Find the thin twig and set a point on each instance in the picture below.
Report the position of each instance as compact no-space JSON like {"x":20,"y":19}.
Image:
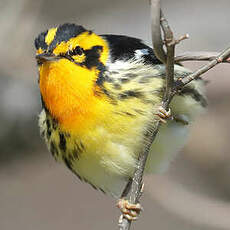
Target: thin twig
{"x":219,"y":59}
{"x":183,"y":37}
{"x":199,"y":56}
{"x":156,"y":31}
{"x":170,"y":43}
{"x":152,"y":131}
{"x":171,"y":89}
{"x":137,"y":182}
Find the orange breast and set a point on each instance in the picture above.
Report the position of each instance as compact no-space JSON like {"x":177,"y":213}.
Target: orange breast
{"x":68,"y":91}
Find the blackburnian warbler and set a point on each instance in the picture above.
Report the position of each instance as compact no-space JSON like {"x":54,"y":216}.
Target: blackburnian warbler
{"x":99,"y":95}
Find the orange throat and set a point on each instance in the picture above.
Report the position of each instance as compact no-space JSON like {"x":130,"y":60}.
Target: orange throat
{"x":69,"y":93}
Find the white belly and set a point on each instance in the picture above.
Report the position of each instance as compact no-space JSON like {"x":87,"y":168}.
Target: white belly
{"x":170,"y":139}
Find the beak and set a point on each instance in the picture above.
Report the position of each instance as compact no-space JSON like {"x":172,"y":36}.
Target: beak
{"x":44,"y":57}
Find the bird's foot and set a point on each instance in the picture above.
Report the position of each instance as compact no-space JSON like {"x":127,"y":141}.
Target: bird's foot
{"x":164,"y":115}
{"x":129,"y":211}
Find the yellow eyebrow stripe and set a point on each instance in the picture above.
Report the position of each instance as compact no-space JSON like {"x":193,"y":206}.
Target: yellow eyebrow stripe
{"x":50,"y":35}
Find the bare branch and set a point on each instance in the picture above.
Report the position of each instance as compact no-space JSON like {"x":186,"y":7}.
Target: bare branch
{"x":151,"y":133}
{"x":172,"y":88}
{"x":152,"y":130}
{"x":219,"y":59}
{"x":170,"y":43}
{"x":183,"y":37}
{"x":156,"y":31}
{"x":199,"y":56}
{"x":138,"y":175}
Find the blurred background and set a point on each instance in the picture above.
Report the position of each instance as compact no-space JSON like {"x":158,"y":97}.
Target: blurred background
{"x":37,"y":193}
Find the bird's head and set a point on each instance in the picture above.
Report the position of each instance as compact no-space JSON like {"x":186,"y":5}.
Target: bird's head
{"x":73,"y":43}
{"x":71,"y":61}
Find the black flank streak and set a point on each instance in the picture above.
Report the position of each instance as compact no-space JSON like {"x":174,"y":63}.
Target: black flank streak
{"x":122,"y":113}
{"x":194,"y":94}
{"x":55,"y":124}
{"x":79,"y":148}
{"x":144,"y":80}
{"x":131,"y":75}
{"x":141,"y":112}
{"x":124,"y":80}
{"x":48,"y":132}
{"x":48,"y":124}
{"x":80,"y":178}
{"x":129,"y":114}
{"x":68,"y":160}
{"x":62,"y":143}
{"x":108,"y":79}
{"x":114,"y":72}
{"x":101,"y":77}
{"x":107,"y":93}
{"x":43,"y":134}
{"x":117,"y":86}
{"x":53,"y":149}
{"x":129,"y":94}
{"x":75,"y":154}
{"x":43,"y":105}
{"x":68,"y":163}
{"x":82,"y":146}
{"x":93,"y":186}
{"x":102,"y":190}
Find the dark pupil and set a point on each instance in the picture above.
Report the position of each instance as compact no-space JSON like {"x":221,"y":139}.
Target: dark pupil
{"x":77,"y":51}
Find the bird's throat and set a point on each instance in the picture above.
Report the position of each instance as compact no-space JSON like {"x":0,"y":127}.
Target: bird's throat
{"x":68,"y":92}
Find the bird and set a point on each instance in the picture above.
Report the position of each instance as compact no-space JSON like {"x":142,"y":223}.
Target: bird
{"x":99,"y":95}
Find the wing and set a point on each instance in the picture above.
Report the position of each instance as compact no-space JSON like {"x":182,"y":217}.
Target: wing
{"x":135,"y":72}
{"x":124,"y":48}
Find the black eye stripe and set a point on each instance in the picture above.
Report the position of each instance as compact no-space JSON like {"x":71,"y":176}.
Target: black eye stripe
{"x":77,"y":51}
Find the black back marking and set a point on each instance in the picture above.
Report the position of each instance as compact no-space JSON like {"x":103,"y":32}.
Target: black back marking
{"x":124,"y":47}
{"x":62,"y":143}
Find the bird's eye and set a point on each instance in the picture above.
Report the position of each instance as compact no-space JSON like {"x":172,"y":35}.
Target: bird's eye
{"x":77,"y":51}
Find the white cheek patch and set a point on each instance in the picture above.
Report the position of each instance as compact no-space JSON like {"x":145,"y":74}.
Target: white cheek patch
{"x":140,"y":53}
